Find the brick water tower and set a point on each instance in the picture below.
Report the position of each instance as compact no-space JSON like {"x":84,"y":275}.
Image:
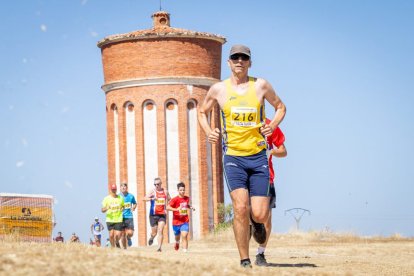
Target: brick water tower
{"x":154,"y":81}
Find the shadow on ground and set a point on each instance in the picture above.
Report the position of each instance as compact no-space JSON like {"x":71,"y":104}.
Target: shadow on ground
{"x":292,"y":265}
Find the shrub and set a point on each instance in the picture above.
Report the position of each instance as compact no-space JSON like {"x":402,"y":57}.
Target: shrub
{"x":225,"y":214}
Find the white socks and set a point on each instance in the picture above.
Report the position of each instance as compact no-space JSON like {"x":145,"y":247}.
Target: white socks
{"x":261,"y":250}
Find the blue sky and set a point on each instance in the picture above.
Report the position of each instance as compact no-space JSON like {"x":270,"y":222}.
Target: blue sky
{"x":343,"y":68}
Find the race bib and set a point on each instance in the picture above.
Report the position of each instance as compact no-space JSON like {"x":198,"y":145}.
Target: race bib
{"x":183,"y":210}
{"x":160,"y":201}
{"x":127,"y":205}
{"x":243,"y":116}
{"x":114,"y":207}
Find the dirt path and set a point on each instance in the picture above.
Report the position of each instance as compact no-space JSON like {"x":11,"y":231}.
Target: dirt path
{"x":293,"y":254}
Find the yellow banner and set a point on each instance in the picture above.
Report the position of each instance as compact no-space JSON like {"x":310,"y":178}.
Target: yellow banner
{"x":26,"y":213}
{"x":26,"y":228}
{"x":26,"y":217}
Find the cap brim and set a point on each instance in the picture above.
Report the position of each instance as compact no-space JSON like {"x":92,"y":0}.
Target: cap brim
{"x":235,"y":53}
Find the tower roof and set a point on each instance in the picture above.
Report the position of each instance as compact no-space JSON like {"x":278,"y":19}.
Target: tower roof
{"x":161,"y":29}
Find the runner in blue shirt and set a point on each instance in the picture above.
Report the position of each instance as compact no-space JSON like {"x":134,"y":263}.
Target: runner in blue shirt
{"x":96,"y":230}
{"x":128,"y":217}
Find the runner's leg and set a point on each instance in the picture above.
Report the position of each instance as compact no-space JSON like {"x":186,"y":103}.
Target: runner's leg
{"x":184,"y":239}
{"x":260,"y":208}
{"x":160,"y":234}
{"x":117,"y":236}
{"x":268,"y":226}
{"x":112,"y":238}
{"x":130,"y":233}
{"x":240,"y":199}
{"x":123,"y":238}
{"x":154,"y":231}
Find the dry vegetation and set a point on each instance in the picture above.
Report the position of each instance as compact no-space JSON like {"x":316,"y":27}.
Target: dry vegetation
{"x":314,"y":253}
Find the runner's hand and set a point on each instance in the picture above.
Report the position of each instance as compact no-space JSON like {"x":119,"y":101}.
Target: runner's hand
{"x":266,"y":130}
{"x":214,"y":136}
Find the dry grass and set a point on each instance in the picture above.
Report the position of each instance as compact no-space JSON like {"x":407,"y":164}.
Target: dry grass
{"x":296,"y":253}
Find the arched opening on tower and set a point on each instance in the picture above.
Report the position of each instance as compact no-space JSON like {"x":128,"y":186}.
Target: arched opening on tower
{"x":173,"y":152}
{"x":150,"y":149}
{"x":192,"y":132}
{"x":131,"y":158}
{"x":114,"y":110}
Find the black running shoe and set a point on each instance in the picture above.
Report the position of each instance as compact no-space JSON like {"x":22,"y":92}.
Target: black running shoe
{"x":159,"y":249}
{"x":150,"y":241}
{"x":246,"y":264}
{"x":261,"y":260}
{"x":259,"y":232}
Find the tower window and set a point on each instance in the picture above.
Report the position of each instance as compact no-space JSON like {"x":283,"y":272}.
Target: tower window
{"x":149,"y":106}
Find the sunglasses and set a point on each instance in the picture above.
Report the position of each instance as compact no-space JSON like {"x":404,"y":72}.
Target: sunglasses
{"x":157,"y":184}
{"x":238,"y":56}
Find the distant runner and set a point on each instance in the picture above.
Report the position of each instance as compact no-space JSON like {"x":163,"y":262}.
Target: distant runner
{"x":96,"y":230}
{"x":113,"y":205}
{"x":128,"y":217}
{"x":159,"y":198}
{"x":74,"y":238}
{"x":59,"y":237}
{"x":180,"y":205}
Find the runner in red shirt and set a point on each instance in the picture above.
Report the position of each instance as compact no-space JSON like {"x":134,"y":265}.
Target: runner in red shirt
{"x":180,"y":205}
{"x":276,"y":147}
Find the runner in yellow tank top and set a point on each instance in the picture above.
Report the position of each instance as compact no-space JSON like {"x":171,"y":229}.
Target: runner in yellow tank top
{"x":245,"y":162}
{"x":241,"y":118}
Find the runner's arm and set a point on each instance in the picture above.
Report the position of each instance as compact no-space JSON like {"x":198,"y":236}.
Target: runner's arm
{"x":134,"y":204}
{"x":205,"y":109}
{"x":149,"y":196}
{"x":169,"y":208}
{"x":122,"y":204}
{"x":279,"y":151}
{"x":280,"y":109}
{"x":191,"y":206}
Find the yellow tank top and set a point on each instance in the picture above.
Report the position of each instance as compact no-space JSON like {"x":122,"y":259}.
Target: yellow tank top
{"x":241,"y":118}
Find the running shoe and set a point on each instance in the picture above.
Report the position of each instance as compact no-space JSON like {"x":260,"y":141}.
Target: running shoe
{"x":261,"y":260}
{"x":176,"y":246}
{"x":129,"y":242}
{"x":259,"y":231}
{"x":159,"y":249}
{"x":150,"y":241}
{"x":246,"y":264}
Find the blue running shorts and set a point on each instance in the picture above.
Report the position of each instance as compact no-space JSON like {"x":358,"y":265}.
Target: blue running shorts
{"x":247,"y":172}
{"x":180,"y":228}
